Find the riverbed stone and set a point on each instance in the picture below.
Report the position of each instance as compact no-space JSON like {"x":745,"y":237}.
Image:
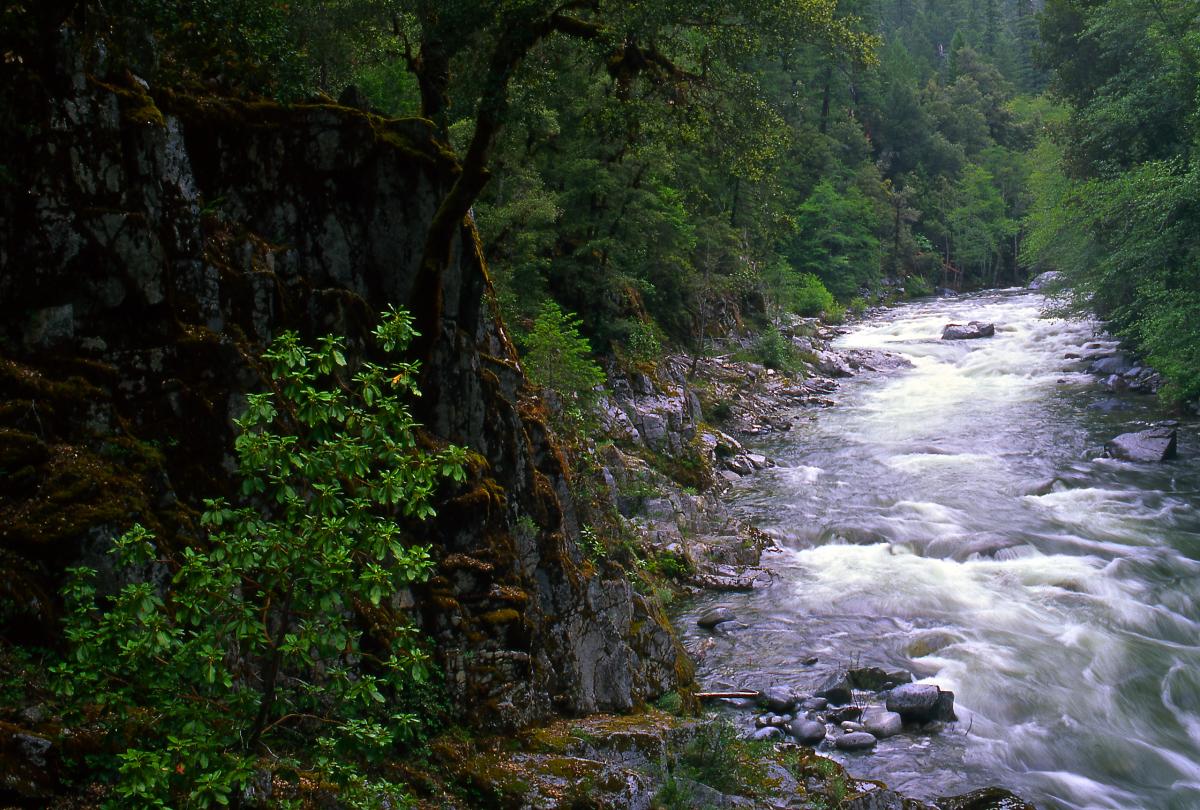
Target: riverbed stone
{"x":855,"y":741}
{"x":943,"y":710}
{"x":989,"y":798}
{"x":970,"y":331}
{"x":837,"y":690}
{"x":914,"y":701}
{"x":814,"y":704}
{"x":1114,"y":364}
{"x":807,"y":731}
{"x":714,"y":616}
{"x":882,"y":723}
{"x":845,"y":713}
{"x":1156,"y":444}
{"x":777,"y":699}
{"x":768,"y":733}
{"x":876,"y":679}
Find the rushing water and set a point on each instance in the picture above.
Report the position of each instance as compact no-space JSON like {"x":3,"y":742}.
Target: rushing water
{"x":921,"y":530}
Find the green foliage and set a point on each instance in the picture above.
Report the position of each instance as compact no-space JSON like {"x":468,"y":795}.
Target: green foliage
{"x":774,"y":350}
{"x":644,"y":344}
{"x":805,"y":295}
{"x":558,"y":358}
{"x":255,"y":646}
{"x":1117,"y":190}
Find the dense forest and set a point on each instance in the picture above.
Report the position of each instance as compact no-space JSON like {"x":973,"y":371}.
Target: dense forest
{"x":636,"y":179}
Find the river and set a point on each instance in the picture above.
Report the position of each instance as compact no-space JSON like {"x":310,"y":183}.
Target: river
{"x":920,"y":529}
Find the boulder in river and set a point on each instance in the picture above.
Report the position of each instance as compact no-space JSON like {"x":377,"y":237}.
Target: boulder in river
{"x":914,"y":701}
{"x":807,"y":731}
{"x":876,"y":679}
{"x":837,"y":690}
{"x":1043,"y":280}
{"x":882,"y":723}
{"x":768,"y":733}
{"x":990,"y":798}
{"x":855,"y":741}
{"x":970,"y":331}
{"x":714,"y":616}
{"x":777,"y":699}
{"x":1156,"y":444}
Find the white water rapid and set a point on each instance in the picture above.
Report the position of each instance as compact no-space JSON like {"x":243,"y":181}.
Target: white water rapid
{"x":954,"y":519}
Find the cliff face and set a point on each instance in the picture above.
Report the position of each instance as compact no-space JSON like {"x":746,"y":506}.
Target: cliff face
{"x":151,"y":243}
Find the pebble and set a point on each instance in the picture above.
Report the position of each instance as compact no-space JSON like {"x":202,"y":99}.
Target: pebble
{"x":855,"y":741}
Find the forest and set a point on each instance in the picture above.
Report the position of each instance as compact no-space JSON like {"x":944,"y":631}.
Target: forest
{"x":639,"y":180}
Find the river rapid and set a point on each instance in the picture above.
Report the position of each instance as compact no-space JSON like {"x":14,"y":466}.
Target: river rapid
{"x":954,"y":519}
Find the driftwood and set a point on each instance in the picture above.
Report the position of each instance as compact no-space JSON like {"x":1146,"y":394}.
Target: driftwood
{"x":736,"y":693}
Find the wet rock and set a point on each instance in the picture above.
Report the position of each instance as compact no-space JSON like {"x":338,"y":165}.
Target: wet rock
{"x":876,"y":679}
{"x":1043,"y":280}
{"x":1109,"y":405}
{"x":990,"y":798}
{"x":768,"y":733}
{"x":814,"y":704}
{"x":807,"y":731}
{"x":1156,"y":444}
{"x":808,"y":662}
{"x":837,"y":690}
{"x":850,"y":725}
{"x":914,"y":701}
{"x":845,"y":713}
{"x":943,"y":710}
{"x":971,"y":331}
{"x":777,"y":699}
{"x":882,"y":723}
{"x":1116,"y":364}
{"x":714,"y":616}
{"x":855,"y":741}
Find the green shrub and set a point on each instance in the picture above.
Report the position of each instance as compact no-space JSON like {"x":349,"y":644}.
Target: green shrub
{"x":917,"y":287}
{"x":773,"y":350}
{"x":644,"y":344}
{"x":808,"y":297}
{"x":558,"y":359}
{"x":255,"y":648}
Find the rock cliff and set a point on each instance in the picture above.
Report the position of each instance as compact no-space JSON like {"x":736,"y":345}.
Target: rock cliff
{"x":152,"y":242}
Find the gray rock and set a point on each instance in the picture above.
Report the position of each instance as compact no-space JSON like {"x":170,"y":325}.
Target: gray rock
{"x":837,"y":691}
{"x":970,"y":331}
{"x":850,"y":725}
{"x":882,"y":723}
{"x":876,"y":679}
{"x":768,"y":733}
{"x":944,"y":708}
{"x":807,"y":731}
{"x":990,"y":798}
{"x":845,"y":713}
{"x":777,"y":699}
{"x":714,"y":616}
{"x":1043,"y":280}
{"x":758,"y":460}
{"x":1116,"y":364}
{"x":855,"y":741}
{"x":814,"y":704}
{"x":914,"y":701}
{"x":1156,"y":444}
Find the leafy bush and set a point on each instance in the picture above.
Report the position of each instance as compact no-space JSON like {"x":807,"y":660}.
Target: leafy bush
{"x":917,"y":287}
{"x":644,"y":345}
{"x":808,"y":296}
{"x":773,"y":350}
{"x":558,"y":359}
{"x":256,"y":646}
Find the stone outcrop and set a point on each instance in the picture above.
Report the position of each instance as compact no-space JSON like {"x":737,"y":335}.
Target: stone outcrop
{"x":151,"y":244}
{"x":1155,"y":444}
{"x":970,"y":331}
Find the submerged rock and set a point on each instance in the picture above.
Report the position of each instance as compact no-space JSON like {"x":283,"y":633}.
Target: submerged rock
{"x":1156,"y":444}
{"x":990,"y":798}
{"x":970,"y":331}
{"x":714,"y":616}
{"x":876,"y":679}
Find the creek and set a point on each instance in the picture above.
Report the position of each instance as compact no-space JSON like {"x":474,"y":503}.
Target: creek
{"x":955,"y":519}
